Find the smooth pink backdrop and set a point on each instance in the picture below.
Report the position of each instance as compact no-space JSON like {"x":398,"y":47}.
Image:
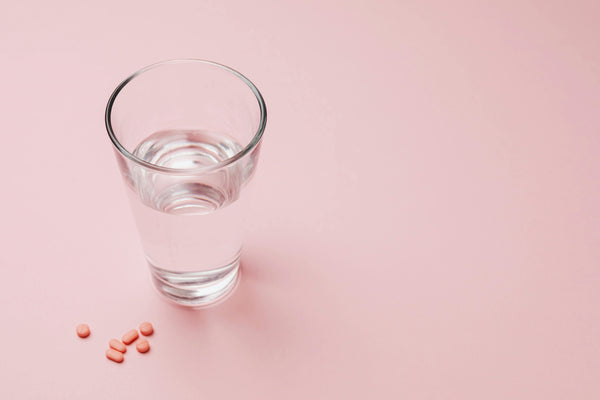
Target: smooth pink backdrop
{"x":428,"y":216}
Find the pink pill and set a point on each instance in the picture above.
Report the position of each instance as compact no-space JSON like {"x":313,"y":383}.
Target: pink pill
{"x":117,"y":345}
{"x":114,"y":355}
{"x":146,"y":328}
{"x":83,"y":330}
{"x":142,"y":345}
{"x":130,"y":336}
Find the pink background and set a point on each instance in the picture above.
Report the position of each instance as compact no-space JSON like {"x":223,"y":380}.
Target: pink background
{"x":427,"y":223}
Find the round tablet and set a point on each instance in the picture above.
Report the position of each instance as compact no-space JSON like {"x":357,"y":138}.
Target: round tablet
{"x":142,"y":345}
{"x":146,"y":328}
{"x":83,"y":330}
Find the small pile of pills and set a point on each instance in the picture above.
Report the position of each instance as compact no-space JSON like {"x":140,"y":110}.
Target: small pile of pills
{"x":118,"y":348}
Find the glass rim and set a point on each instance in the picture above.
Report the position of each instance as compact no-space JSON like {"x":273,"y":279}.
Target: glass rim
{"x":205,"y":168}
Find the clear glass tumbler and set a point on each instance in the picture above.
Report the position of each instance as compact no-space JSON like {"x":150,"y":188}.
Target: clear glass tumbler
{"x":187,"y":136}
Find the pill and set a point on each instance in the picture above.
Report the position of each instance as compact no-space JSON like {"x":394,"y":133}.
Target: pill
{"x":146,"y":328}
{"x":130,"y":336}
{"x":83,"y":330}
{"x":142,"y":345}
{"x":114,"y":355}
{"x":117,"y":345}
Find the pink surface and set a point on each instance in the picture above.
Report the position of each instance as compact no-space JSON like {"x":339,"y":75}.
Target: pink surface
{"x":427,"y":223}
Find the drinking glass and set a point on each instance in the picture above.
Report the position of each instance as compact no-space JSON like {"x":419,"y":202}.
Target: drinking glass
{"x":187,"y":136}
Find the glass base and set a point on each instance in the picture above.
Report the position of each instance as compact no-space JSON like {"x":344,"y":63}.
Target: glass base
{"x":197,"y":289}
